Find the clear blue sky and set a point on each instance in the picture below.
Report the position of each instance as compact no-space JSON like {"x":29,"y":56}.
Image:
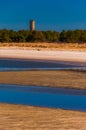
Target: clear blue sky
{"x":48,"y":14}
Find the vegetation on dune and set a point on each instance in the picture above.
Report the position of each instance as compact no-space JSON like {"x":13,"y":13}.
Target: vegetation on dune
{"x":70,"y":36}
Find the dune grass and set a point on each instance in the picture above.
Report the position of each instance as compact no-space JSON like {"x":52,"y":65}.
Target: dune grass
{"x":51,"y":78}
{"x":51,"y":46}
{"x":19,"y":117}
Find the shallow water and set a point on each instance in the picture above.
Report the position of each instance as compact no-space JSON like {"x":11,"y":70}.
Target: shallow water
{"x":44,"y":96}
{"x":20,"y":64}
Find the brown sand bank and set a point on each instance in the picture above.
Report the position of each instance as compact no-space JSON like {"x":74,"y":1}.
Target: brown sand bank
{"x":18,"y":117}
{"x":51,"y":78}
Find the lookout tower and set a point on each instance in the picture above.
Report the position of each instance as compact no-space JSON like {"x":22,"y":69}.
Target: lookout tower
{"x":32,"y":25}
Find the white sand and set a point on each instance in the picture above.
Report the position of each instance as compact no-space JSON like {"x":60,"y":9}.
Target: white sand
{"x":78,"y":56}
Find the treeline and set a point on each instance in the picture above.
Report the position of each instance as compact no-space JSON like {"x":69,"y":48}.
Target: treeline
{"x":70,"y":36}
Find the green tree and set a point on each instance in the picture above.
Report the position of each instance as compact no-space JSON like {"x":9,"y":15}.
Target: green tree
{"x":36,"y":36}
{"x":12,"y":35}
{"x":4,"y":36}
{"x":63,"y":36}
{"x":83,"y":36}
{"x":51,"y":36}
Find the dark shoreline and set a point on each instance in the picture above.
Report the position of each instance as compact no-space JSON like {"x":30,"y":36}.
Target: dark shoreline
{"x":46,"y":89}
{"x":66,"y":62}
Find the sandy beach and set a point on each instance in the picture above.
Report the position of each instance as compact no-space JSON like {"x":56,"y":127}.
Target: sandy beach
{"x":19,"y":117}
{"x":61,"y":55}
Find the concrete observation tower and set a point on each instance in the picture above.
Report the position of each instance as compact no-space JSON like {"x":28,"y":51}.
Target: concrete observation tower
{"x":32,"y":25}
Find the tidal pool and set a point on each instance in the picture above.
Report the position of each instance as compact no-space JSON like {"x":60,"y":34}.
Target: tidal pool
{"x":71,"y":99}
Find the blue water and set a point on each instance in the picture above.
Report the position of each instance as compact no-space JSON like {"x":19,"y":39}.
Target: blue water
{"x":44,"y":96}
{"x":21,"y":64}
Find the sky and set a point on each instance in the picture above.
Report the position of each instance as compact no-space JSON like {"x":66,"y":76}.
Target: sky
{"x":55,"y":15}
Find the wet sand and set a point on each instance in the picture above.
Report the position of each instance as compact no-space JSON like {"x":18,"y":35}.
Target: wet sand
{"x":59,"y":78}
{"x":19,"y":117}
